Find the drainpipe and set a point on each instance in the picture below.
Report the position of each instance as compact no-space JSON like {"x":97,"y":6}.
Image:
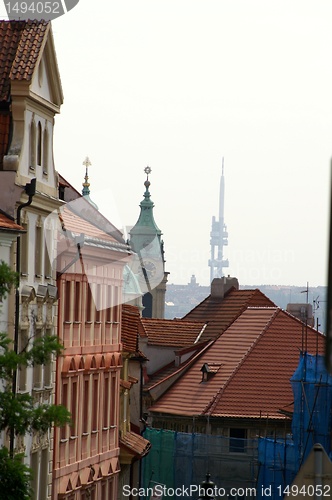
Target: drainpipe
{"x":30,"y":190}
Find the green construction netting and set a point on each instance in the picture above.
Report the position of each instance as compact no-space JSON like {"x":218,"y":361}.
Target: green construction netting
{"x":179,"y":459}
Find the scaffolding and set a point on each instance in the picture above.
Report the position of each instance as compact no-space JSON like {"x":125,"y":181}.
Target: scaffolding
{"x":179,"y":459}
{"x":280,"y":461}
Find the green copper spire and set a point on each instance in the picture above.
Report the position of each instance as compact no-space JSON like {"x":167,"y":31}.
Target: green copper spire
{"x":145,"y":229}
{"x":86,"y":183}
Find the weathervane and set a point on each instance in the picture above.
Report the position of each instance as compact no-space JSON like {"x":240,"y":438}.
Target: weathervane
{"x":87,"y":163}
{"x":148,"y":171}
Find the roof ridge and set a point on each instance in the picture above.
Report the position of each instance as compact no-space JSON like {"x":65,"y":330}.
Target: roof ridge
{"x":196,"y":306}
{"x":215,"y":400}
{"x":263,"y":307}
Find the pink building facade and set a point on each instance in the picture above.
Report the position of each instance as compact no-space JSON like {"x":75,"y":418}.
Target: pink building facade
{"x":86,"y":453}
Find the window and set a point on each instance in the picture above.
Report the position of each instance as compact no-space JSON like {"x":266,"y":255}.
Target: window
{"x":24,"y":248}
{"x":98,"y":304}
{"x":147,"y":304}
{"x":67,"y":299}
{"x":237,"y":440}
{"x":38,"y":249}
{"x":61,"y":192}
{"x":22,"y":374}
{"x":106,"y":402}
{"x":77,"y":301}
{"x":35,"y":476}
{"x":95,"y":400}
{"x":47,"y":254}
{"x":32,"y":152}
{"x":48,"y":366}
{"x":37,"y":369}
{"x":44,"y":479}
{"x":45,"y":152}
{"x":113,"y":400}
{"x":88,"y":304}
{"x":104,"y":489}
{"x":85,"y":413}
{"x":73,"y":409}
{"x":64,"y":402}
{"x":39,"y":144}
{"x":108,"y":303}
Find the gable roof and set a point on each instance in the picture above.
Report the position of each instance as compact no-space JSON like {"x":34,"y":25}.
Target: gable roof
{"x":80,"y":224}
{"x":20,"y":45}
{"x":257,"y":356}
{"x":170,"y":332}
{"x":220,"y":313}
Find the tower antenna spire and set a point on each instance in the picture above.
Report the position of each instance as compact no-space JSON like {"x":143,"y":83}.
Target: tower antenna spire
{"x":219,"y":235}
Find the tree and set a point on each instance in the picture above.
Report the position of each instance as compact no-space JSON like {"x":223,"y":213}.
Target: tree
{"x":19,"y":415}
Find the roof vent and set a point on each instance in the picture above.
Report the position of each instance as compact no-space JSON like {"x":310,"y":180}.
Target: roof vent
{"x":209,"y":370}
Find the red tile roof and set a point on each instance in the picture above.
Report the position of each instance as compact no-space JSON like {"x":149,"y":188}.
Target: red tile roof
{"x":129,"y":328}
{"x":7,"y":224}
{"x":257,"y":355}
{"x":134,"y":443}
{"x":79,"y":225}
{"x":170,"y":332}
{"x":168,"y":371}
{"x":20,"y":44}
{"x":219,"y":314}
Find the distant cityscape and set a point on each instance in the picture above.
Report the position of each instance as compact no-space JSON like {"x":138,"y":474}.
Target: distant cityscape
{"x":180,"y":299}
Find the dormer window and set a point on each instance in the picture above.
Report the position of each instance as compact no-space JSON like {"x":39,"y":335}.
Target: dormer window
{"x":209,"y":370}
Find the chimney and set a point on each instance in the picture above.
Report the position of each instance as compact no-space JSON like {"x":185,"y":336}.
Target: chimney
{"x":220,"y":286}
{"x":302,"y":312}
{"x":229,"y":283}
{"x":217,"y":288}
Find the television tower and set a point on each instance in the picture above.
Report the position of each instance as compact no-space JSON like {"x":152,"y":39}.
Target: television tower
{"x":219,"y":236}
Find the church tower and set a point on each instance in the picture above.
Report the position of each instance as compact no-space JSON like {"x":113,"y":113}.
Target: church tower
{"x":146,"y":242}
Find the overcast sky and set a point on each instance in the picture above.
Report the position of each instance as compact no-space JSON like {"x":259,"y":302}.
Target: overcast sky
{"x":177,"y":85}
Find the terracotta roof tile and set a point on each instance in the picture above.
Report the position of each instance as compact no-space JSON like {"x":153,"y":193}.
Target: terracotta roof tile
{"x":171,"y":332}
{"x":76,"y":223}
{"x":129,"y":328}
{"x":7,"y":224}
{"x":257,"y":354}
{"x":20,"y":44}
{"x":220,"y":313}
{"x":136,"y":444}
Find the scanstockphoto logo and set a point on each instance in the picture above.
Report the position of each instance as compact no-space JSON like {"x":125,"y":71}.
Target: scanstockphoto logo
{"x":80,"y":240}
{"x":38,"y":9}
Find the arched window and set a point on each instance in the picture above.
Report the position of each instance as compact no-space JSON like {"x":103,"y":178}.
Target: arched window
{"x":39,"y":144}
{"x":38,"y":248}
{"x":24,"y":246}
{"x":147,"y":304}
{"x":32,"y":148}
{"x":45,"y":152}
